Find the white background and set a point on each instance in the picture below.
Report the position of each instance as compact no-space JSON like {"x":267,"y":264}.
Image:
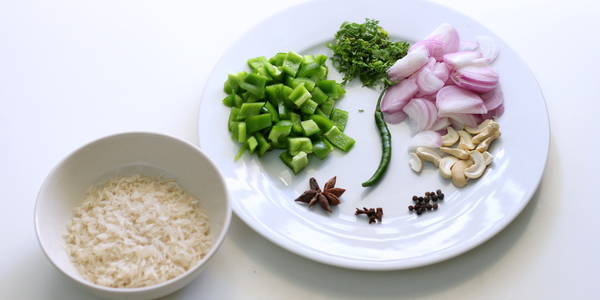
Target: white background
{"x":73,"y":71}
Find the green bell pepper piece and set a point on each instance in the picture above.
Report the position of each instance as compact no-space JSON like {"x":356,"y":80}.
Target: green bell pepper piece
{"x":321,"y":113}
{"x":255,"y":85}
{"x":324,"y":123}
{"x":327,"y":107}
{"x":321,"y":74}
{"x":310,"y":127}
{"x":230,"y":100}
{"x":263,"y":144}
{"x":239,"y":133}
{"x":258,"y":122}
{"x":279,"y":131}
{"x":283,"y":111}
{"x":278,"y":59}
{"x":251,"y":143}
{"x":298,"y":144}
{"x":320,"y":59}
{"x":299,"y":95}
{"x":309,"y":107}
{"x":308,"y":67}
{"x":233,"y":118}
{"x":297,"y":126}
{"x":291,"y":63}
{"x":295,"y":163}
{"x":232,"y":84}
{"x":249,"y":98}
{"x":339,"y":118}
{"x":273,"y":92}
{"x":299,"y":162}
{"x":295,"y":82}
{"x":257,"y":62}
{"x":240,"y":152}
{"x":269,"y":108}
{"x":339,"y":139}
{"x":250,"y":109}
{"x":318,"y":96}
{"x":322,"y":148}
{"x":332,"y":89}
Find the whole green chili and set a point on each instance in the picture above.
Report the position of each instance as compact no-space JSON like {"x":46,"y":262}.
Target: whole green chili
{"x":386,"y":144}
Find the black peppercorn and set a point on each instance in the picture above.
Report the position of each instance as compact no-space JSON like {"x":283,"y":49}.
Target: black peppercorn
{"x":415,"y":198}
{"x":411,"y":208}
{"x":435,"y":206}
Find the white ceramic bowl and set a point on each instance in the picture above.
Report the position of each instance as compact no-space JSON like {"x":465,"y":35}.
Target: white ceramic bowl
{"x":127,"y":154}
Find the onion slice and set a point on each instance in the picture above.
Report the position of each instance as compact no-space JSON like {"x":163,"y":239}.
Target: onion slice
{"x":440,"y":124}
{"x":421,"y":113}
{"x":447,"y":35}
{"x":427,"y":80}
{"x":480,"y":79}
{"x":461,"y":59}
{"x":441,"y":71}
{"x":394,"y":118}
{"x":409,"y":64}
{"x":456,"y":100}
{"x":493,"y":98}
{"x":459,"y":121}
{"x":398,"y":95}
{"x":427,"y":138}
{"x":488,"y":48}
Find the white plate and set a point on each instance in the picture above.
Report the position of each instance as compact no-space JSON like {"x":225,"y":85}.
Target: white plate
{"x":263,"y":190}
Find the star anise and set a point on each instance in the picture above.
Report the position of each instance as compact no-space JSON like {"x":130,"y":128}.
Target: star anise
{"x":373,"y":214}
{"x":329,"y":196}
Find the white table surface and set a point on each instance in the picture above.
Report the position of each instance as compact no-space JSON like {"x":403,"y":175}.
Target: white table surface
{"x":73,"y":71}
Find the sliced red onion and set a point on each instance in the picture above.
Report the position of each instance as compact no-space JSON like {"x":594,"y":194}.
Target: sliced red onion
{"x":494,"y":113}
{"x":488,"y":48}
{"x":427,"y":138}
{"x":459,"y":121}
{"x":480,"y":79}
{"x":456,"y":100}
{"x":448,"y":36}
{"x":427,"y":81}
{"x":468,"y":46}
{"x":440,"y":124}
{"x":421,"y":113}
{"x":493,"y":98}
{"x":434,"y":47}
{"x":398,"y":95}
{"x":461,"y":59}
{"x":409,"y":64}
{"x":441,"y":71}
{"x":394,"y":118}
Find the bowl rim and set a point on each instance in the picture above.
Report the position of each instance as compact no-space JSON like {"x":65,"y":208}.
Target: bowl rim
{"x":217,"y":242}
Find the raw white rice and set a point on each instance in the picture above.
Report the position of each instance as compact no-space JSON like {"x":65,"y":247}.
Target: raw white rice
{"x":137,"y":231}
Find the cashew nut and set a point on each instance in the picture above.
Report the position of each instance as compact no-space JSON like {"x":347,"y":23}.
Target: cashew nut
{"x":486,"y":132}
{"x":483,"y":146}
{"x":479,"y":128}
{"x":476,"y":170}
{"x":429,"y":155}
{"x":415,"y":162}
{"x":450,"y":138}
{"x":466,"y":142}
{"x":458,"y":153}
{"x":488,"y":158}
{"x":458,"y":173}
{"x":446,"y":164}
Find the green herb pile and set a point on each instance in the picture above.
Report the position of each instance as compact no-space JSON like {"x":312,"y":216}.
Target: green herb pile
{"x":365,"y":50}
